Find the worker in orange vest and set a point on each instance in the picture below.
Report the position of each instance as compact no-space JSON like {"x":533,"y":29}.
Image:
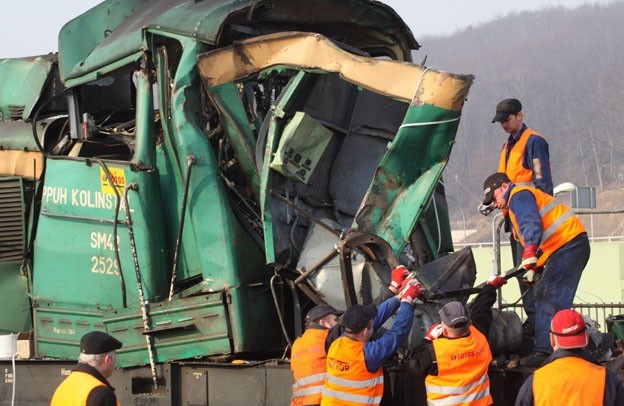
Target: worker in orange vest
{"x":556,"y":248}
{"x":354,"y":373}
{"x":525,"y":159}
{"x":571,"y":375}
{"x":309,"y":352}
{"x":309,"y":356}
{"x":455,"y":355}
{"x":87,"y":384}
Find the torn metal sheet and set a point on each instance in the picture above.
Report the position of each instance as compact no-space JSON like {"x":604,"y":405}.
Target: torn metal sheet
{"x":315,"y":52}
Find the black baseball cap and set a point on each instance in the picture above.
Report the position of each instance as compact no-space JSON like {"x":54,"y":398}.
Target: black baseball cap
{"x":505,"y":108}
{"x":357,"y":317}
{"x":97,"y":342}
{"x":492,"y":183}
{"x":320,"y":311}
{"x":454,"y":315}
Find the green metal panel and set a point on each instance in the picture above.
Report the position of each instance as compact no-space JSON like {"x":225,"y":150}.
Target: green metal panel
{"x":408,"y":174}
{"x":22,"y":82}
{"x":80,"y":36}
{"x":115,"y":29}
{"x":181,"y":328}
{"x":74,"y":249}
{"x":59,"y":326}
{"x":213,"y":243}
{"x":14,"y":300}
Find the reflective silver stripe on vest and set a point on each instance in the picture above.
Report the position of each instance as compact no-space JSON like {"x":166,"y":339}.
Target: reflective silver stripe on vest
{"x":456,"y":390}
{"x":355,"y":384}
{"x":306,"y":380}
{"x":530,"y":184}
{"x":457,"y":400}
{"x":348,"y":397}
{"x":310,"y":390}
{"x":548,"y":208}
{"x":546,"y":234}
{"x":555,"y":225}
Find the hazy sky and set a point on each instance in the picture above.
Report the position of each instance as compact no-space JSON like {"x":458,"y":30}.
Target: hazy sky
{"x":30,"y":27}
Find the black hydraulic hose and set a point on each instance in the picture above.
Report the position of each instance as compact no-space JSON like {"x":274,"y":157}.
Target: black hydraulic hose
{"x":137,"y":271}
{"x":296,"y":308}
{"x":122,"y":281}
{"x":190,"y":161}
{"x":279,"y":313}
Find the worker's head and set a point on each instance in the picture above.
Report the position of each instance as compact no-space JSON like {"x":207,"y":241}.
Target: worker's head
{"x":323,"y":315}
{"x":358,"y":321}
{"x":98,"y":349}
{"x":494,"y":189}
{"x":509,"y":114}
{"x":568,"y":330}
{"x":455,"y":320}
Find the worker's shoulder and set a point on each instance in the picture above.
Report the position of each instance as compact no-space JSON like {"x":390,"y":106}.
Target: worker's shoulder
{"x":536,"y":137}
{"x":102,"y":396}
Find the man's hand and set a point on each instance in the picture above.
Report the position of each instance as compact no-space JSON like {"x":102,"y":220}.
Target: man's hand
{"x":529,"y":257}
{"x":531,"y":277}
{"x":435,"y":331}
{"x":398,"y":276}
{"x":411,"y":291}
{"x":485,"y":210}
{"x":496,"y":280}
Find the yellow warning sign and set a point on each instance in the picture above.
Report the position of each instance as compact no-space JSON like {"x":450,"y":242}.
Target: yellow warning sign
{"x":118,"y":177}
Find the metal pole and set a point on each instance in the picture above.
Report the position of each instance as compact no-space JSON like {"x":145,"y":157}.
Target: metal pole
{"x":142,"y":302}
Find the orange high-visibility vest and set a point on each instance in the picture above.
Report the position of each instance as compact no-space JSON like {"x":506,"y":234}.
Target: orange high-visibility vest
{"x":462,"y":371}
{"x":75,"y":389}
{"x":308,"y":363}
{"x":559,"y":224}
{"x":512,"y":165}
{"x":348,"y":381}
{"x":569,"y":381}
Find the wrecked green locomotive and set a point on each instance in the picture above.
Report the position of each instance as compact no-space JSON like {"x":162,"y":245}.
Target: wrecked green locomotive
{"x":192,"y":176}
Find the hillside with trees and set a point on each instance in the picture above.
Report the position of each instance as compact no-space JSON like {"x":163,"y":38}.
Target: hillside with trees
{"x":565,"y":65}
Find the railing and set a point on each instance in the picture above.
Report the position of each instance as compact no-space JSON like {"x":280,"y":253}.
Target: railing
{"x":597,"y":312}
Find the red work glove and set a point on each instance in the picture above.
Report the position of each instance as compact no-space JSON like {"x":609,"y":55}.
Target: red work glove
{"x":496,"y":280}
{"x":529,"y":263}
{"x":398,"y":276}
{"x":435,"y":331}
{"x":529,"y":257}
{"x":411,"y":291}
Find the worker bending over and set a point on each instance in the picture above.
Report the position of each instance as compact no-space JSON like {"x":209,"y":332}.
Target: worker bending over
{"x":556,"y":248}
{"x":455,"y":355}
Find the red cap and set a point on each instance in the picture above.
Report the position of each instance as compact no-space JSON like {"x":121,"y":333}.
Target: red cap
{"x":568,"y":328}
